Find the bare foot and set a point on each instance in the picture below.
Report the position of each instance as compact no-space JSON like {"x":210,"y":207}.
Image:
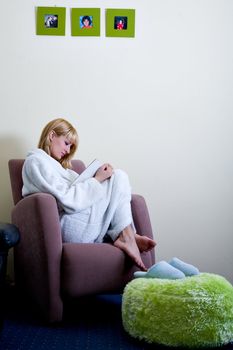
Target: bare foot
{"x":126,"y":242}
{"x":144,"y":243}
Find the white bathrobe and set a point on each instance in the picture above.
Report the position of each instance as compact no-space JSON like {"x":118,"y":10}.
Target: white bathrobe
{"x":88,"y":210}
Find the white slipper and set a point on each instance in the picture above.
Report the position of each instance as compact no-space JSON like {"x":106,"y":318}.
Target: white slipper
{"x":161,"y":270}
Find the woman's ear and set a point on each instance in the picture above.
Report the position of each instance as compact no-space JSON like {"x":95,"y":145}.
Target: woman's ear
{"x":52,"y":134}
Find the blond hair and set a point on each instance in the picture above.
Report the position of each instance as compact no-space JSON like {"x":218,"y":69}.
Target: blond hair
{"x":62,"y":128}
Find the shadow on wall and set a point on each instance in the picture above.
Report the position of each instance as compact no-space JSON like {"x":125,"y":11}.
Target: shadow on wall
{"x":10,"y":148}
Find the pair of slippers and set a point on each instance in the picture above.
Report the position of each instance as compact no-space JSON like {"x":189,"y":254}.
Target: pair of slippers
{"x":174,"y":269}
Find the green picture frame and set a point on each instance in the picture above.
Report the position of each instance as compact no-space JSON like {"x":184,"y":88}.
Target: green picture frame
{"x":85,"y":21}
{"x":120,"y":23}
{"x":50,"y":20}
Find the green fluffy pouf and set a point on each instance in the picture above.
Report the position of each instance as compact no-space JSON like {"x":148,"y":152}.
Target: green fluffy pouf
{"x":193,"y":312}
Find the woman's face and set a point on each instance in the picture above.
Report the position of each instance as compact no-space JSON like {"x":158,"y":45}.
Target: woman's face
{"x":86,"y":23}
{"x":59,"y":146}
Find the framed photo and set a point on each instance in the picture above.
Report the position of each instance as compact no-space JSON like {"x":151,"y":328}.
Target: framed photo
{"x":85,"y":22}
{"x":50,"y":20}
{"x":120,"y":22}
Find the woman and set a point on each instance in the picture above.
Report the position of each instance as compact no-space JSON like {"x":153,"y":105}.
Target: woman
{"x":92,"y":210}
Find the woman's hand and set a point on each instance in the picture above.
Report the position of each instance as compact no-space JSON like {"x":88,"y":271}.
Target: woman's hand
{"x":104,"y":172}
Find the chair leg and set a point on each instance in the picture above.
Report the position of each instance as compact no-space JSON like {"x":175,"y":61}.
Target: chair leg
{"x":3,"y":265}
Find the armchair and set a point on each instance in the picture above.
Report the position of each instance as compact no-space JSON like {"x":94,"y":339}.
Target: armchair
{"x":51,"y":272}
{"x":9,"y":237}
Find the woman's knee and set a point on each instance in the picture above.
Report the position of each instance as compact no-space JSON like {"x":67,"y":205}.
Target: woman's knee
{"x":121,"y":180}
{"x":120,"y":175}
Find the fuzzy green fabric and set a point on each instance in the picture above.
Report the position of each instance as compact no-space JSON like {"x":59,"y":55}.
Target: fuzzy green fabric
{"x":193,"y":312}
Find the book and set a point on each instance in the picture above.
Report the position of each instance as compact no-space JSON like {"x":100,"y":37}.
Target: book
{"x":90,"y":171}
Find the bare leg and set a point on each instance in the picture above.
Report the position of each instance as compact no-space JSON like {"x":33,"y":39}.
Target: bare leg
{"x":144,"y":243}
{"x":127,"y":242}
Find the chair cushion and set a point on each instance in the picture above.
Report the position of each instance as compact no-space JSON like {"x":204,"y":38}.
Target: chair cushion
{"x":192,"y":312}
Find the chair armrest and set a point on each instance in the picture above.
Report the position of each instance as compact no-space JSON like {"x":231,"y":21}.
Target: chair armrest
{"x":9,"y":236}
{"x":38,"y":255}
{"x":142,"y":219}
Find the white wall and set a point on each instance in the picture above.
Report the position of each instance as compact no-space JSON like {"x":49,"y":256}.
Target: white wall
{"x":159,"y":106}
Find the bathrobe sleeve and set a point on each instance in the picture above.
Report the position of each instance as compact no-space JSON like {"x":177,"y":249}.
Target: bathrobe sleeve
{"x":40,"y":176}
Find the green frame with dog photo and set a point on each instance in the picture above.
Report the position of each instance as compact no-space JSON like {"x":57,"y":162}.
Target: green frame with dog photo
{"x":50,"y":20}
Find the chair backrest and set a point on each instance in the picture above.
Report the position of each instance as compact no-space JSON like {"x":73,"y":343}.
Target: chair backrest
{"x":15,"y":170}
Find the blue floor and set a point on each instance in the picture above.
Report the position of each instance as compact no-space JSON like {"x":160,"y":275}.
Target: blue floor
{"x":92,"y":323}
